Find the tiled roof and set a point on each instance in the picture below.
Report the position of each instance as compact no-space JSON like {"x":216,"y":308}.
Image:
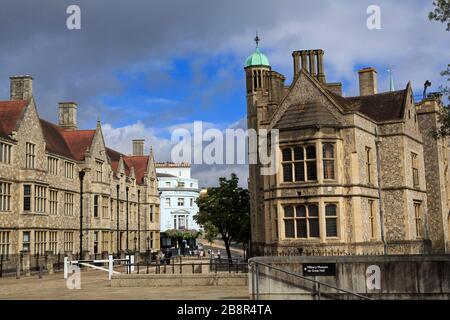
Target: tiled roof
{"x":10,"y":113}
{"x":381,"y":107}
{"x":139,"y":163}
{"x":79,"y":142}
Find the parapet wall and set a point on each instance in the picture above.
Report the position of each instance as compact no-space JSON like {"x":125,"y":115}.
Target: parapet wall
{"x":377,"y":277}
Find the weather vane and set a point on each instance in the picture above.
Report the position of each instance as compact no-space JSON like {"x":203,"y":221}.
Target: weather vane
{"x":257,"y":39}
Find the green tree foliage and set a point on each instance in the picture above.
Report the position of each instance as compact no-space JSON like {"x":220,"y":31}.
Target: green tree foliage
{"x":441,"y":12}
{"x":225,"y":211}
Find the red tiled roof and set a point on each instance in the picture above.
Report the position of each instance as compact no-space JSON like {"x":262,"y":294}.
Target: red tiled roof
{"x":10,"y":113}
{"x":139,"y":163}
{"x":79,"y":142}
{"x":54,"y":137}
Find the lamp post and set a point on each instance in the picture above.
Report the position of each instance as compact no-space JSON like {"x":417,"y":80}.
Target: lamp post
{"x":127,"y":189}
{"x":81,"y":174}
{"x":139,"y":219}
{"x":118,"y":217}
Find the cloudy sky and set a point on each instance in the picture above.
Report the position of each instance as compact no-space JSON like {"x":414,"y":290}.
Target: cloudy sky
{"x":147,"y":67}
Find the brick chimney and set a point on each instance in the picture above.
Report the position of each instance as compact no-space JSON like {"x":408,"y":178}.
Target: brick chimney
{"x":368,"y":81}
{"x":21,"y":87}
{"x":138,"y":147}
{"x":68,"y":115}
{"x":311,"y":61}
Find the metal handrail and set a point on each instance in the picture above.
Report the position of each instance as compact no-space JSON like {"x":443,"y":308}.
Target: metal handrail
{"x":316,"y":282}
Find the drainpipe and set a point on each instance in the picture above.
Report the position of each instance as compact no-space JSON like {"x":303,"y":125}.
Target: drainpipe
{"x":81,"y":175}
{"x":378,"y":143}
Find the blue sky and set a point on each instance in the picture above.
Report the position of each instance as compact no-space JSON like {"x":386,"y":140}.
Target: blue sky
{"x":148,"y":67}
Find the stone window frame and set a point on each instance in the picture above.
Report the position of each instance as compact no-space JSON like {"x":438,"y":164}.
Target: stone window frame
{"x":5,"y":196}
{"x":368,"y":160}
{"x":68,"y":241}
{"x":96,"y":241}
{"x":98,"y":171}
{"x":293,"y":162}
{"x":180,"y":202}
{"x":5,"y":243}
{"x":30,"y":155}
{"x":26,"y":245}
{"x":69,"y":169}
{"x":53,"y":241}
{"x":69,"y":204}
{"x":27,"y":196}
{"x":40,"y":242}
{"x":53,"y":202}
{"x":96,"y":204}
{"x":40,"y":198}
{"x":334,"y":217}
{"x":418,"y":219}
{"x":329,"y":160}
{"x":105,"y":240}
{"x":415,"y":169}
{"x":5,"y":152}
{"x":52,"y":165}
{"x":306,"y":221}
{"x":105,"y":207}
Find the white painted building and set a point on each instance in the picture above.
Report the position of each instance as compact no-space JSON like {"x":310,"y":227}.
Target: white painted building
{"x":178,"y":193}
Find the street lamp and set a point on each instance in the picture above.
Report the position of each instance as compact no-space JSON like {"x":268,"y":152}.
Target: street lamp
{"x":81,"y":175}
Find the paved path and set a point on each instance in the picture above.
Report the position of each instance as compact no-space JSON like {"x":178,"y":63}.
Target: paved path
{"x":95,"y":286}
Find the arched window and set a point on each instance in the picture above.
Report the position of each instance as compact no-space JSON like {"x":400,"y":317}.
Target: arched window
{"x":328,"y":161}
{"x":331,"y":220}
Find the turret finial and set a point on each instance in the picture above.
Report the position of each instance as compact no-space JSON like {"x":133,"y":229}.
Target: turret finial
{"x":391,"y":79}
{"x":257,"y":40}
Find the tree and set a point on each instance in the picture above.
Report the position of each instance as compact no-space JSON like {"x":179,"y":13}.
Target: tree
{"x":225,"y":211}
{"x":441,"y":13}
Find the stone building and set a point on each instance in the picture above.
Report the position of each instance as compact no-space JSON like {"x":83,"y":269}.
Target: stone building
{"x":42,"y":169}
{"x":355,"y":175}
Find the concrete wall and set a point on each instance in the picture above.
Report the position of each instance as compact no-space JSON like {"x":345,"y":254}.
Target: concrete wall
{"x":401,"y":277}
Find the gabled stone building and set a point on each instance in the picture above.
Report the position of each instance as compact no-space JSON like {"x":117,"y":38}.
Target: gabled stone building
{"x":356,"y":175}
{"x":42,"y":168}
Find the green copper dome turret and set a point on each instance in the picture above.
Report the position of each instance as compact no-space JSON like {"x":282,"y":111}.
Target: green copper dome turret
{"x":257,"y":59}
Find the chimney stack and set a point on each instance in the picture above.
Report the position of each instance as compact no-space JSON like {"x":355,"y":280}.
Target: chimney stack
{"x":21,"y":87}
{"x":68,"y":115}
{"x":368,"y":81}
{"x":138,"y":147}
{"x":311,"y":61}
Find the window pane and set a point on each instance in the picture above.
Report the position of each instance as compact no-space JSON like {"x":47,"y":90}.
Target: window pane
{"x":301,"y":211}
{"x":301,"y":228}
{"x":311,"y":152}
{"x":328,"y":169}
{"x":313,"y":211}
{"x":331,"y":224}
{"x":328,"y":151}
{"x":330,"y":210}
{"x":287,"y":155}
{"x":312,"y":170}
{"x":289,"y":212}
{"x":300,"y":171}
{"x":289,"y":228}
{"x":287,"y":172}
{"x":298,"y":154}
{"x":314,"y":228}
